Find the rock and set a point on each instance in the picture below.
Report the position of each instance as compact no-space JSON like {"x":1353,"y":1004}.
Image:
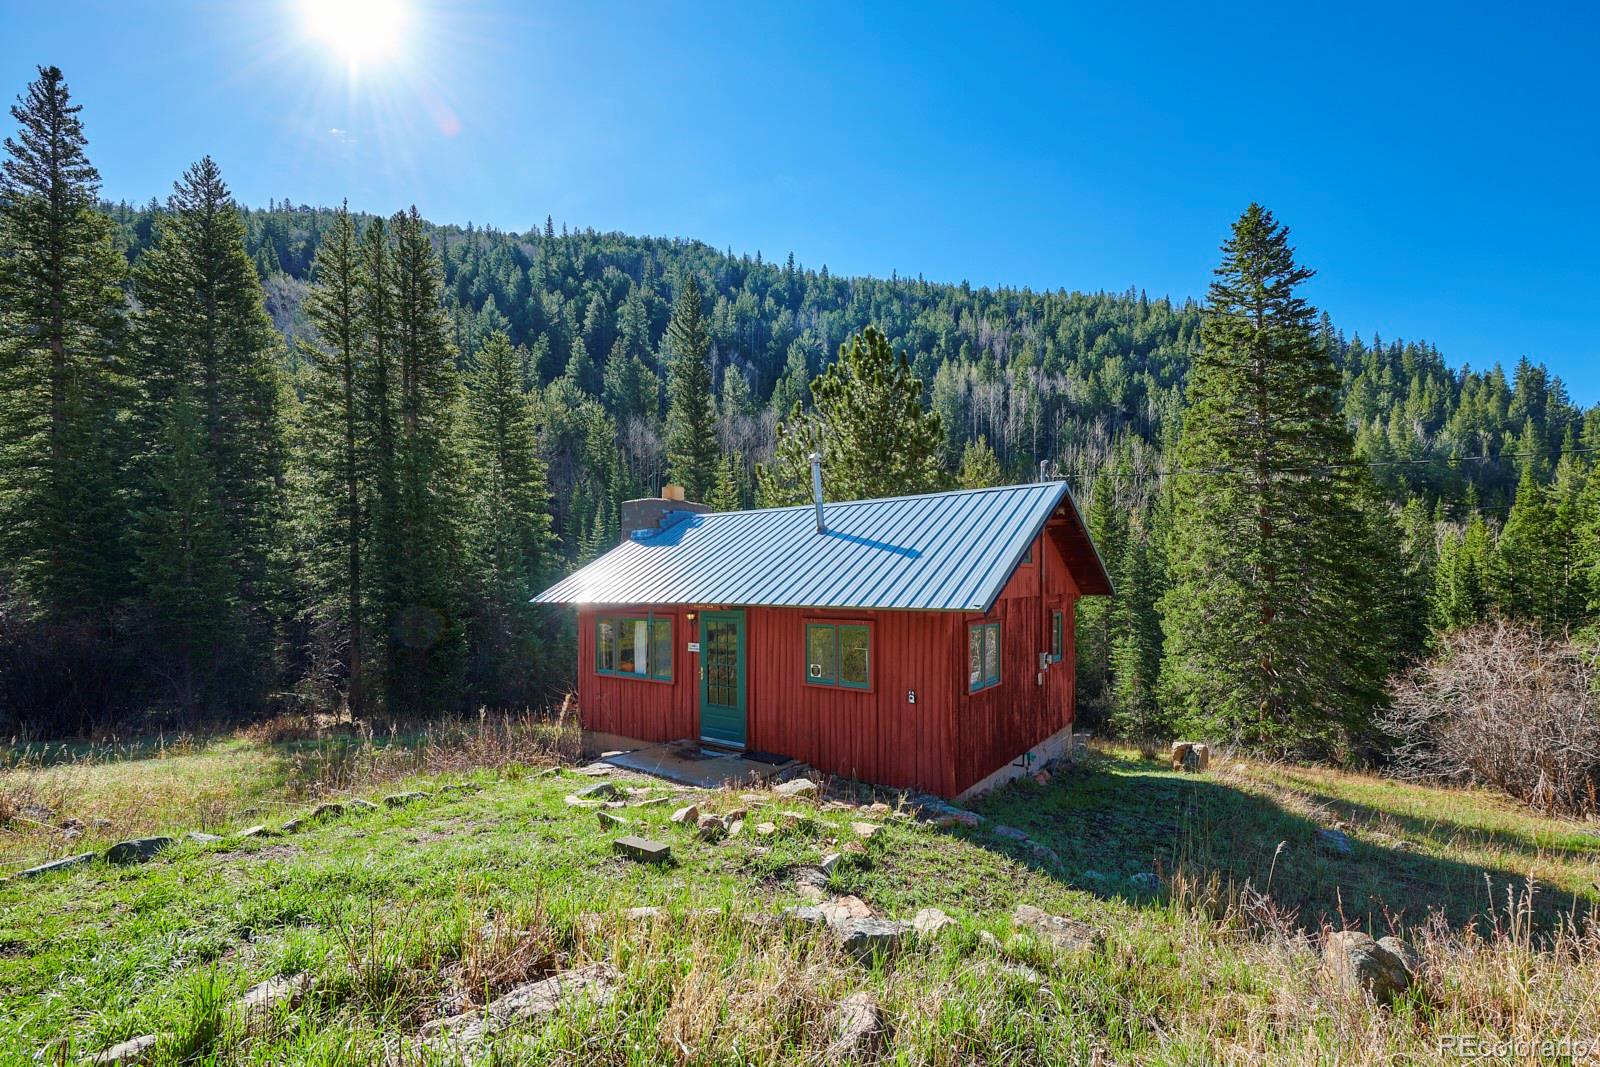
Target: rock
{"x":930,"y":921}
{"x":854,"y":848}
{"x":687,"y":814}
{"x":1190,"y":756}
{"x":796,"y":787}
{"x":1402,"y":951}
{"x":989,"y":941}
{"x":1356,"y":962}
{"x":201,"y":839}
{"x":956,"y":817}
{"x":259,"y":830}
{"x":795,"y":820}
{"x":524,"y":1004}
{"x":254,"y":1009}
{"x":137,"y":850}
{"x":599,"y":791}
{"x":400,"y":800}
{"x":609,"y":821}
{"x":363,"y":805}
{"x":805,"y":915}
{"x":710,"y":827}
{"x":857,"y":1028}
{"x":643,"y":850}
{"x":865,"y":830}
{"x":1044,"y":852}
{"x":868,"y":937}
{"x":1043,"y":777}
{"x":811,"y":876}
{"x":1010,"y":833}
{"x":876,"y":808}
{"x":736,"y":827}
{"x":843,"y":909}
{"x":136,"y":1051}
{"x":57,"y":865}
{"x":829,"y":864}
{"x":1146,"y":882}
{"x":666,"y":798}
{"x":766,"y":829}
{"x":331,"y":809}
{"x":814,"y":893}
{"x":1334,"y":843}
{"x":1073,"y":935}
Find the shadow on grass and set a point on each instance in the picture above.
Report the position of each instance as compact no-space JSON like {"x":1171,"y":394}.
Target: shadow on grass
{"x":1112,"y":819}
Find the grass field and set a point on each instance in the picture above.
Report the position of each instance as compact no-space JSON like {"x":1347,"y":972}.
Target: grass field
{"x":406,"y":914}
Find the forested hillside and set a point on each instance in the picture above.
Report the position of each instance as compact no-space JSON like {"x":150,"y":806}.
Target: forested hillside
{"x":244,"y":472}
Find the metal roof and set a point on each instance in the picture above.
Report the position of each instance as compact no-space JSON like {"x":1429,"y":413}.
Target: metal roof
{"x":936,"y":552}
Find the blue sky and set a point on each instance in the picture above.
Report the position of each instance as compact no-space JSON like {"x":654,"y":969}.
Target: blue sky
{"x":1438,"y":164}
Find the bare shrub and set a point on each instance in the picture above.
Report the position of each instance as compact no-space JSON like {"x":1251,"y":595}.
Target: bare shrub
{"x":1504,"y":705}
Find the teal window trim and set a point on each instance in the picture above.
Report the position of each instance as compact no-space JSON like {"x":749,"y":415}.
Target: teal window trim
{"x":653,"y":672}
{"x":832,"y":632}
{"x":988,"y":635}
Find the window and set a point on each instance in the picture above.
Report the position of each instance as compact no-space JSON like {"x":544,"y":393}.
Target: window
{"x":1057,"y":630}
{"x":634,"y":646}
{"x":839,"y":654}
{"x":983,"y":656}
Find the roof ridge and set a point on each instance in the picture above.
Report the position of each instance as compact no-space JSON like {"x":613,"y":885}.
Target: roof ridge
{"x":884,"y":499}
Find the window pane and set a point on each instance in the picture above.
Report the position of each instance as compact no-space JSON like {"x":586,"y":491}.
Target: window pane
{"x":855,"y":656}
{"x":605,"y":645}
{"x":975,"y":657}
{"x":821,"y":650}
{"x":991,"y":655}
{"x":1055,"y":634}
{"x":661,"y":648}
{"x":631,"y":646}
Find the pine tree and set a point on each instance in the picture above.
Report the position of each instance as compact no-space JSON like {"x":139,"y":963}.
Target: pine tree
{"x":331,"y":432}
{"x":427,"y":639}
{"x":184,"y":560}
{"x":868,"y":422}
{"x":1527,"y":572}
{"x":511,"y":536}
{"x":62,"y":447}
{"x":729,"y":493}
{"x":1268,"y":622}
{"x":691,"y":414}
{"x":1092,"y":626}
{"x":1136,"y":647}
{"x":202,"y":326}
{"x":980,"y":469}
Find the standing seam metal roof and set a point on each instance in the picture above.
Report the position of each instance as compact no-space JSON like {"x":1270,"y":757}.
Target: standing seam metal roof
{"x":936,"y":552}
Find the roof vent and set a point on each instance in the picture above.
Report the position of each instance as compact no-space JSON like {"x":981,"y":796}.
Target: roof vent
{"x":816,"y":489}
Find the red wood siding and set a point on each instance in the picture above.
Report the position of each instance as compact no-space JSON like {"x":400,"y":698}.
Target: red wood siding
{"x":944,"y":742}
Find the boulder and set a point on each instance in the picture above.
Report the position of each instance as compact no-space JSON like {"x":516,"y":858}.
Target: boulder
{"x":1072,"y":935}
{"x":138,"y":1050}
{"x":643,"y":849}
{"x":1334,"y":843}
{"x":868,"y":937}
{"x":1190,"y":756}
{"x":930,"y":921}
{"x":1354,"y":961}
{"x":137,"y":850}
{"x":796,"y":787}
{"x":57,"y":865}
{"x":857,"y":1028}
{"x":254,"y":1009}
{"x":689,"y":814}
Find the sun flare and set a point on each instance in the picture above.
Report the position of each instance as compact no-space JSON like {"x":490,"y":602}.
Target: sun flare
{"x":361,"y":33}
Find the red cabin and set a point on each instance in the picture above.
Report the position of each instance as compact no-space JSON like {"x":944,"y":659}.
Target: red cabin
{"x":920,"y":641}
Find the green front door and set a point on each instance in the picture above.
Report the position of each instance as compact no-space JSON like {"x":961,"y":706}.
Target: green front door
{"x":722,"y":691}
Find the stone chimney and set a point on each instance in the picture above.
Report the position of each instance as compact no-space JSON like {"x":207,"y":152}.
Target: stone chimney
{"x":651,"y":513}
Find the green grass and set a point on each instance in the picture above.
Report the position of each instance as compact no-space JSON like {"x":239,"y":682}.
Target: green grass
{"x":386,"y":907}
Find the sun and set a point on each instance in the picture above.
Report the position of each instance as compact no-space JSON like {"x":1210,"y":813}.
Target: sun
{"x":362,"y":33}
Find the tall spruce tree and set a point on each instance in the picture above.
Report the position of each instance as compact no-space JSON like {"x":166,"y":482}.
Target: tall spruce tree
{"x":202,"y":326}
{"x":185,"y":564}
{"x":1527,"y":572}
{"x":1268,"y":623}
{"x":62,"y":553}
{"x":868,"y":422}
{"x":511,"y":528}
{"x":691,"y":410}
{"x":426,"y":626}
{"x":330,"y":473}
{"x":1136,"y":646}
